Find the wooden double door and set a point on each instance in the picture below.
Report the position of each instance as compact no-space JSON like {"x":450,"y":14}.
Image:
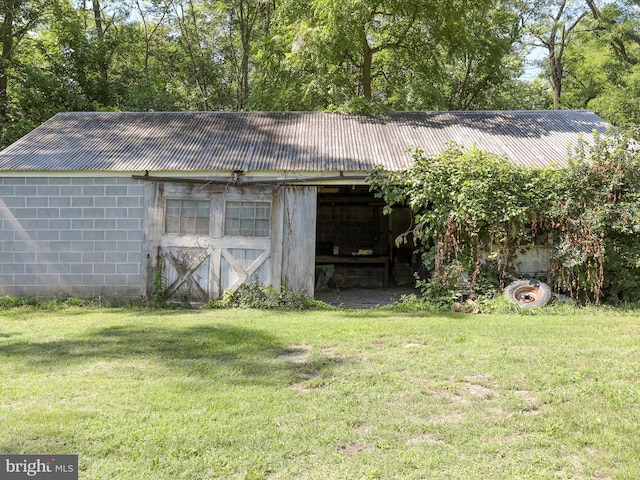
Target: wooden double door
{"x":211,"y":239}
{"x":202,"y":240}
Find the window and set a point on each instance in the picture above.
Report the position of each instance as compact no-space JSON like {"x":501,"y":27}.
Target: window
{"x":187,"y":217}
{"x":247,"y":219}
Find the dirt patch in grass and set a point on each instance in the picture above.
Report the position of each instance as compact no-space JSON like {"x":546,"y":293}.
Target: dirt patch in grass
{"x":526,"y":395}
{"x":426,"y":438}
{"x":480,"y":392}
{"x":351,"y":449}
{"x":301,"y":388}
{"x":295,"y":354}
{"x":447,"y":418}
{"x":306,"y":384}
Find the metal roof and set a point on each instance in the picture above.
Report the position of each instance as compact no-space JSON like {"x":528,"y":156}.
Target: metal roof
{"x":288,"y":141}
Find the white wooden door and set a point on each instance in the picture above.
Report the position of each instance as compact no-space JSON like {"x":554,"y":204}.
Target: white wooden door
{"x":186,"y":273}
{"x":204,"y":256}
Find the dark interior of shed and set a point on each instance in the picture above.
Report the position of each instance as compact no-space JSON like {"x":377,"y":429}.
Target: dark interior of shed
{"x":355,"y":240}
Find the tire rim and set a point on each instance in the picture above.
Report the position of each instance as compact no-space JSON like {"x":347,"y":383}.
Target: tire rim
{"x":526,"y":294}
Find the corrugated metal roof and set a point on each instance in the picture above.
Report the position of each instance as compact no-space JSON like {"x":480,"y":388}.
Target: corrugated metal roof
{"x":291,"y":141}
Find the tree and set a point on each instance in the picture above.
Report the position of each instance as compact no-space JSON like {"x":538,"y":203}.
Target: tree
{"x":201,"y":32}
{"x":376,"y":54}
{"x":516,"y":94}
{"x":603,"y":72}
{"x":149,"y":62}
{"x":347,"y":55}
{"x":468,"y":205}
{"x":484,"y":62}
{"x":553,"y":26}
{"x":245,"y":16}
{"x":619,"y":25}
{"x":19,"y":17}
{"x":152,"y":17}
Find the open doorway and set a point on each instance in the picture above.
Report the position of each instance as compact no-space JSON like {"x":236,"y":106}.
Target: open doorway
{"x":355,"y":241}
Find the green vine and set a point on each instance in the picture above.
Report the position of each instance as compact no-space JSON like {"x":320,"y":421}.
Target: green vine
{"x":157,"y":293}
{"x":473,"y":208}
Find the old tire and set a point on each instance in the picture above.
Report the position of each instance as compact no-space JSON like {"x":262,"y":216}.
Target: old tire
{"x":528,"y":293}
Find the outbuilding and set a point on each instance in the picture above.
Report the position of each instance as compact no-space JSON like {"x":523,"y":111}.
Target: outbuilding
{"x":123,"y":205}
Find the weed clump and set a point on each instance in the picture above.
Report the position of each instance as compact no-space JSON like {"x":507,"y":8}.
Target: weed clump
{"x":254,"y":295}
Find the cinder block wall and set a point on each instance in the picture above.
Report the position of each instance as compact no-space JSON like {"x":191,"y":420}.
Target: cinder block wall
{"x":71,"y":236}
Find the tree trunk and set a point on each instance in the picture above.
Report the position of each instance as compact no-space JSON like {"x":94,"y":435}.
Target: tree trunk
{"x":97,"y":15}
{"x":558,"y":39}
{"x":618,"y":44}
{"x":246,"y":25}
{"x":103,"y":92}
{"x":6,"y":36}
{"x":367,"y":62}
{"x":555,"y":77}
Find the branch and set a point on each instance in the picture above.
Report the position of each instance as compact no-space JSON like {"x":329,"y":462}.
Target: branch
{"x":618,"y":43}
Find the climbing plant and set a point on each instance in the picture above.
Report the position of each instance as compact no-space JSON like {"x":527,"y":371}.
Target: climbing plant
{"x":596,"y":222}
{"x":475,"y":211}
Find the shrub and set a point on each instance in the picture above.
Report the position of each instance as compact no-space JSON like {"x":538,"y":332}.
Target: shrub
{"x":10,"y":301}
{"x":252,"y":294}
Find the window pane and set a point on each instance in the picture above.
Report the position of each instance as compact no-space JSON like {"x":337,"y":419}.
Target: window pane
{"x":262,"y":228}
{"x":232,"y":210}
{"x":248,"y":210}
{"x":249,"y":219}
{"x":262,"y":211}
{"x":173,"y":208}
{"x":186,"y":225}
{"x":232,"y":226}
{"x":172,"y":225}
{"x":188,"y":208}
{"x":247,"y":228}
{"x":202,"y":226}
{"x":202,"y":209}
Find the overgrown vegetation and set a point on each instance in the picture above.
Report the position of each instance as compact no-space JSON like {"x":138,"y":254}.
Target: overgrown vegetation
{"x":475,"y":212}
{"x":11,"y":302}
{"x":157,"y":293}
{"x":252,"y":294}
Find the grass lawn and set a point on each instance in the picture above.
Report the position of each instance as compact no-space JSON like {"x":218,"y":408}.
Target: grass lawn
{"x":142,"y":394}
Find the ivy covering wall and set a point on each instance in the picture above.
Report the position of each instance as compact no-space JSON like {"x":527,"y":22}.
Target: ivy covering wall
{"x":474,"y":211}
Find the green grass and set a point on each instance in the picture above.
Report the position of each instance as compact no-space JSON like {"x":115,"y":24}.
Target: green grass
{"x":142,"y":394}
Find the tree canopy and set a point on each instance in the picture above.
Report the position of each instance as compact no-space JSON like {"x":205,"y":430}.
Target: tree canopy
{"x":338,"y":55}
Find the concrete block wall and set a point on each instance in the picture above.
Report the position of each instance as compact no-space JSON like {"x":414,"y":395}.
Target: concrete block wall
{"x":71,"y":236}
